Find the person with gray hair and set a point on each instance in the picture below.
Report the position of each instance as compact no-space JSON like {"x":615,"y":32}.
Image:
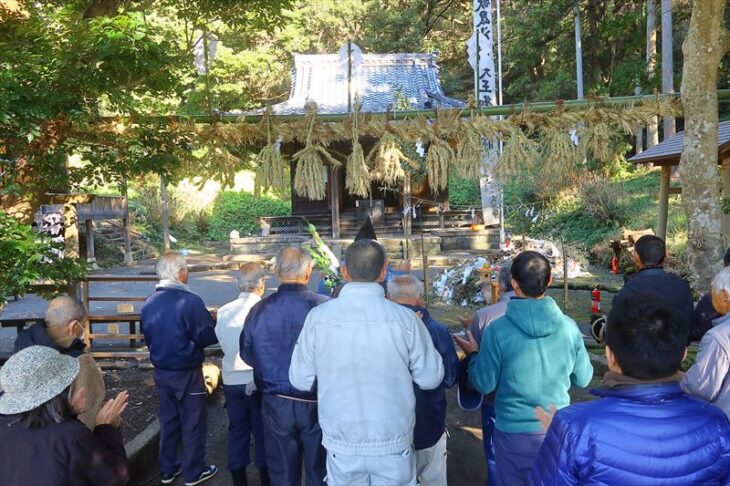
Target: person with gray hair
{"x":243,"y":402}
{"x":709,"y":377}
{"x":362,"y":354}
{"x":291,"y":428}
{"x":63,"y":330}
{"x":177,"y":327}
{"x":429,"y":433}
{"x":476,"y":325}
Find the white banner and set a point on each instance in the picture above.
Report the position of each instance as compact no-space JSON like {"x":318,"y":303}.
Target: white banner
{"x":482,"y":46}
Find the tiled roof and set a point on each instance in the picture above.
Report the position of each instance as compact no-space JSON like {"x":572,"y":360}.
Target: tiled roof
{"x":669,"y":151}
{"x":376,"y":83}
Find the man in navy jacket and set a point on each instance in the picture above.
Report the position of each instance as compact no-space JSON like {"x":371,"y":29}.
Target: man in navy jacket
{"x":272,"y":327}
{"x":177,"y":327}
{"x":653,"y":281}
{"x":429,"y":433}
{"x":644,"y":430}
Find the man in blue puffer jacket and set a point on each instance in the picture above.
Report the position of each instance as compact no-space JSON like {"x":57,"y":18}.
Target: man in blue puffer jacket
{"x":644,"y":430}
{"x":291,"y":427}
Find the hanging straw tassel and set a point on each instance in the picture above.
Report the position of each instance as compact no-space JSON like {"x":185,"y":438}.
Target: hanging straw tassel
{"x":469,"y":154}
{"x":437,"y":164}
{"x":270,"y":171}
{"x":357,"y":178}
{"x":519,"y":153}
{"x":560,"y":154}
{"x":309,"y":176}
{"x":388,"y":159}
{"x":599,"y":140}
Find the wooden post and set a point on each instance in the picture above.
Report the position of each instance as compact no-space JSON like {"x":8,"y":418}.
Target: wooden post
{"x":90,"y":256}
{"x":652,"y":132}
{"x":424,"y":258}
{"x":566,"y":302}
{"x":664,"y":181}
{"x":87,"y":323}
{"x":335,"y":201}
{"x":725,"y":176}
{"x":165,"y":215}
{"x":407,"y":216}
{"x":667,"y":63}
{"x":128,"y":258}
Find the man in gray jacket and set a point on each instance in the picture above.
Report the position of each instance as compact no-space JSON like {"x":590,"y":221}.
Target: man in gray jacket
{"x":709,"y":377}
{"x":365,"y":353}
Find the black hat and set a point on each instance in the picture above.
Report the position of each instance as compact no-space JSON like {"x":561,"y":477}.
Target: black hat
{"x":367,"y":231}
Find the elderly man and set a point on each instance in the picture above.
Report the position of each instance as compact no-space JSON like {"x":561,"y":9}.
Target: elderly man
{"x":243,"y":401}
{"x":63,"y":331}
{"x":177,"y":327}
{"x":291,"y":430}
{"x":482,"y":318}
{"x":709,"y":377}
{"x":429,"y":434}
{"x":365,"y":353}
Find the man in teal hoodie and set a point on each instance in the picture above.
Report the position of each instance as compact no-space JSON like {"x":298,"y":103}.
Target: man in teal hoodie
{"x":530,"y":357}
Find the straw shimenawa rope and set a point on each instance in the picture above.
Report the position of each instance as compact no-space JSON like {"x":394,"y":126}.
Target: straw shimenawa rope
{"x":270,"y":171}
{"x":437,"y":163}
{"x":469,"y":152}
{"x":519,"y":153}
{"x":357,"y":177}
{"x":309,"y":176}
{"x":388,"y":159}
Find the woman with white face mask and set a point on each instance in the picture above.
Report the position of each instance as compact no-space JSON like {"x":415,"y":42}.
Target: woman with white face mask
{"x":63,"y":330}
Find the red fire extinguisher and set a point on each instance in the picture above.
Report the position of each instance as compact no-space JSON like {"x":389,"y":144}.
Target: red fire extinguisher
{"x":614,"y":265}
{"x":595,"y":301}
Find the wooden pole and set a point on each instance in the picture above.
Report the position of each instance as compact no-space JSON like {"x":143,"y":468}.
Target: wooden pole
{"x":90,"y":256}
{"x":566,"y":302}
{"x":639,"y":146}
{"x":407,"y":217}
{"x":725,"y":175}
{"x":578,"y":50}
{"x":128,"y":259}
{"x":165,"y":215}
{"x":335,"y":201}
{"x":664,"y":181}
{"x":424,"y":259}
{"x":652,"y":133}
{"x":667,"y":63}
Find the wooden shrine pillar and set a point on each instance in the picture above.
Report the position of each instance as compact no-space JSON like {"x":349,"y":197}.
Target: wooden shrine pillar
{"x":407,"y":216}
{"x":90,"y":256}
{"x":664,"y":182}
{"x":725,"y":177}
{"x":334,"y":176}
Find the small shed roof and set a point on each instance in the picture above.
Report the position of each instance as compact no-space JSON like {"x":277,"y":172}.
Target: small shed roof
{"x":377,"y":82}
{"x":670,"y":150}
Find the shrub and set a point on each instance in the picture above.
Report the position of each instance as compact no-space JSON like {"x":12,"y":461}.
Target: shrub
{"x":602,"y":199}
{"x":241,"y":211}
{"x":464,"y":191}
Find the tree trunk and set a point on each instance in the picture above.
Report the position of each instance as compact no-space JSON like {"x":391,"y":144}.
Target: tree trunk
{"x":652,"y":132}
{"x":102,"y":8}
{"x":706,"y":43}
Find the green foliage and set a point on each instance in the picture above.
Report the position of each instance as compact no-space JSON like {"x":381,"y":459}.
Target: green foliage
{"x":464,"y":191}
{"x":28,"y":258}
{"x":241,"y":211}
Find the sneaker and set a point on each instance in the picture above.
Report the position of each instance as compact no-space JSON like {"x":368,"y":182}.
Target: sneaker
{"x":168,"y":478}
{"x":207,"y":473}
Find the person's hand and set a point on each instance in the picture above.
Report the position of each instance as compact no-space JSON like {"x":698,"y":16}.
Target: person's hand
{"x":468,"y":345}
{"x":465,"y":321}
{"x":545,"y":416}
{"x":111,"y":412}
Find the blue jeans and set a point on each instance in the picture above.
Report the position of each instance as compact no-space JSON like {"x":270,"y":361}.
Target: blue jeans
{"x":515,"y":455}
{"x":244,"y":418}
{"x":181,"y":410}
{"x":488,"y":441}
